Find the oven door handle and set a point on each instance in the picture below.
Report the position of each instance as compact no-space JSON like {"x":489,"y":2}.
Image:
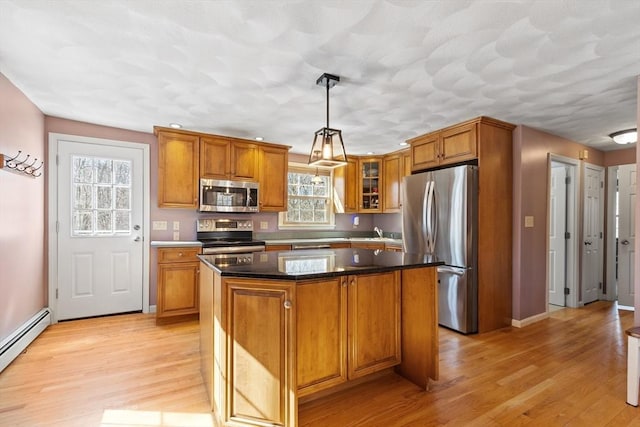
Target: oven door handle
{"x":233,"y":249}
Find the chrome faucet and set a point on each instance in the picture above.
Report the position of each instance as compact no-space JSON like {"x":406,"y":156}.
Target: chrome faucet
{"x":378,"y":231}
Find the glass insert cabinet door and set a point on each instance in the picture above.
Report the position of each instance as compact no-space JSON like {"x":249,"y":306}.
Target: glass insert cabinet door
{"x":100,"y":196}
{"x":371,"y":179}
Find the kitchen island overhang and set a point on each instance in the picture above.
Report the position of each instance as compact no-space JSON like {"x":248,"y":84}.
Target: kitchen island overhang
{"x":304,"y":323}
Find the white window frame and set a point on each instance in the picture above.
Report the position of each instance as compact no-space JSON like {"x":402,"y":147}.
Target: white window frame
{"x":331,"y":224}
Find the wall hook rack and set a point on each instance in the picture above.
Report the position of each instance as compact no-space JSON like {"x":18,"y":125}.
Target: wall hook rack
{"x":25,"y":166}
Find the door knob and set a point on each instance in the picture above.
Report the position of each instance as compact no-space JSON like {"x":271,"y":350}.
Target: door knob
{"x":137,"y":239}
{"x":587,"y":243}
{"x":625,"y":242}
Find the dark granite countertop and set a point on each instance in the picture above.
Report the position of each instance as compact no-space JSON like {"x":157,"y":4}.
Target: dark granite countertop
{"x":318,"y":263}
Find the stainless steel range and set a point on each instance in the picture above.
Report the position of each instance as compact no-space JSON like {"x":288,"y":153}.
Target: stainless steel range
{"x":230,"y":239}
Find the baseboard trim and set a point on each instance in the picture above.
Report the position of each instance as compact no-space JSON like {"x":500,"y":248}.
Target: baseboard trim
{"x":18,"y":341}
{"x":152,"y":309}
{"x":529,"y":320}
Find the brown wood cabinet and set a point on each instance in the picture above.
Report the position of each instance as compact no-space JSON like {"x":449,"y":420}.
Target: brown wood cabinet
{"x":490,"y":143}
{"x":345,"y":182}
{"x":228,"y":158}
{"x":249,"y":335}
{"x":277,"y":247}
{"x":347,"y":327}
{"x":395,"y":166}
{"x":177,"y":170}
{"x":178,"y":273}
{"x":367,"y":245}
{"x":273,"y":163}
{"x":451,"y":145}
{"x":370,"y":171}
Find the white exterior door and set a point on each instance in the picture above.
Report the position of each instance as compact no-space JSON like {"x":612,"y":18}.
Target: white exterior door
{"x":557,"y":230}
{"x":593,"y":225}
{"x":626,"y":233}
{"x":100,"y":248}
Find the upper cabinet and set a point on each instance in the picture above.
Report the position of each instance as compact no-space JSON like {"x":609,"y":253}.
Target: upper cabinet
{"x":370,"y":184}
{"x":451,"y":145}
{"x":227,"y":158}
{"x":345,"y":183}
{"x":177,"y":170}
{"x":273,"y":178}
{"x":184,"y":157}
{"x":395,"y":166}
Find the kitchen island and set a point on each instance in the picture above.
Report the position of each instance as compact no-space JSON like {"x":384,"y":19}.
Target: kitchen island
{"x":276,"y":327}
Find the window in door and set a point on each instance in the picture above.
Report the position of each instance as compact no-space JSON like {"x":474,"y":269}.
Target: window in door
{"x":101,"y":196}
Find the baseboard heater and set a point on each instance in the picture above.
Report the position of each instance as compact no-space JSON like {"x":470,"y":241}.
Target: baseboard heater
{"x":17,"y":342}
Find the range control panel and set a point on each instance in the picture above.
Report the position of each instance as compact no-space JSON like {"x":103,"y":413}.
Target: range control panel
{"x":210,"y":224}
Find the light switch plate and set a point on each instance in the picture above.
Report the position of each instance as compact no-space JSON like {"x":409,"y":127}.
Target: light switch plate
{"x":528,"y":221}
{"x":159,"y":225}
{"x":176,"y":225}
{"x":264,"y":225}
{"x":176,"y":235}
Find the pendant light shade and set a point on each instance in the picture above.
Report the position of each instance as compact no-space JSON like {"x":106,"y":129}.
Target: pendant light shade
{"x":328,"y":148}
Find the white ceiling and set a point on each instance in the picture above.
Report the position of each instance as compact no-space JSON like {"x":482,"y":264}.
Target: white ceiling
{"x":248,"y":68}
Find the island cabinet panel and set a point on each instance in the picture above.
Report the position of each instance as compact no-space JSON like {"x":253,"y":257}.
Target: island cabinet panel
{"x":258,"y":320}
{"x":207,"y":330}
{"x":177,"y":170}
{"x":373,"y":322}
{"x":321,"y":332}
{"x":273,"y":178}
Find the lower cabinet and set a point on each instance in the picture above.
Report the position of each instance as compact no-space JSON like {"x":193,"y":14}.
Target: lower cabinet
{"x":347,"y":327}
{"x":178,"y":288}
{"x":258,"y":321}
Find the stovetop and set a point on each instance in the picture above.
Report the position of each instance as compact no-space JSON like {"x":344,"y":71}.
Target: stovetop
{"x":212,"y":242}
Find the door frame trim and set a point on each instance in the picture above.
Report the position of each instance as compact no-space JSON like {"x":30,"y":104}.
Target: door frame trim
{"x":573,"y":250}
{"x":52,"y":209}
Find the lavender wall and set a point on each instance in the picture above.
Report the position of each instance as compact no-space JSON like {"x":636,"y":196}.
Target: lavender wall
{"x":531,"y":148}
{"x":22,"y":216}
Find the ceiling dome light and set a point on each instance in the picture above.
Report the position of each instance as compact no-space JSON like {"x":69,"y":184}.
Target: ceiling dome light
{"x":628,"y":136}
{"x":259,"y":138}
{"x":175,"y":125}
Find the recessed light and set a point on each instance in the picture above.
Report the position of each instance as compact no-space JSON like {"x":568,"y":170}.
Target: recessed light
{"x":175,"y":125}
{"x":404,"y":143}
{"x":369,"y":153}
{"x":259,"y":138}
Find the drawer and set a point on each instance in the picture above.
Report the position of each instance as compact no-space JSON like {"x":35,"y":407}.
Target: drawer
{"x":186,"y":254}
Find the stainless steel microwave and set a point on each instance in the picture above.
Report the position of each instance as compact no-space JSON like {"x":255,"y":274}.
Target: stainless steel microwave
{"x":228,"y":196}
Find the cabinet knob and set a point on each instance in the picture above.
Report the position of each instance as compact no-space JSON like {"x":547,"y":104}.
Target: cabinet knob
{"x":353,"y":282}
{"x":344,"y":282}
{"x":287,"y":304}
{"x":179,"y":253}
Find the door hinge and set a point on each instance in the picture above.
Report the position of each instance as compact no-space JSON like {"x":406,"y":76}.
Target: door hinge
{"x":567,"y":235}
{"x":57,"y":160}
{"x":567,"y":291}
{"x":601,"y":184}
{"x":600,"y":285}
{"x":601,"y":234}
{"x":57,"y":226}
{"x":567,"y":180}
{"x":56,"y":293}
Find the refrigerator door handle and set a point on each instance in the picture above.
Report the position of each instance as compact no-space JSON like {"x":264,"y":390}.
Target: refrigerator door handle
{"x":429,"y":213}
{"x":426,"y":231}
{"x":451,"y":270}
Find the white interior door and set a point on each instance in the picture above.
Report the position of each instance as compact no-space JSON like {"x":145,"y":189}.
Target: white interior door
{"x":593,"y":225}
{"x":557,"y":232}
{"x":99,"y":229}
{"x":626,"y":233}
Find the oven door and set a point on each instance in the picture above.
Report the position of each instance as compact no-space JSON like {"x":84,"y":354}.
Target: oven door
{"x":228,"y":196}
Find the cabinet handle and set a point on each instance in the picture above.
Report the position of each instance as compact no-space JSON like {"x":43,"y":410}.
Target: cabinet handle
{"x":287,"y":304}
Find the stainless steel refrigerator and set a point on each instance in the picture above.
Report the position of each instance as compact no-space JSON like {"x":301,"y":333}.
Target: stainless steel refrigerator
{"x":440,"y":216}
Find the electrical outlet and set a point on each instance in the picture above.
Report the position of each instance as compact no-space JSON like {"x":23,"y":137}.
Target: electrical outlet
{"x":176,"y":225}
{"x":356,"y":221}
{"x":264,"y":225}
{"x":159,"y":225}
{"x":176,"y":235}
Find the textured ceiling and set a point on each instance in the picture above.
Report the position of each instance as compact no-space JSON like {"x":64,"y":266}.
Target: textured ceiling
{"x":248,"y":68}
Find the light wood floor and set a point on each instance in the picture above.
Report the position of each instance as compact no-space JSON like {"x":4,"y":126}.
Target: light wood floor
{"x":124,"y":370}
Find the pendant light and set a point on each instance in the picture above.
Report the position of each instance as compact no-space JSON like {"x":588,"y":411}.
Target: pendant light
{"x":328,"y":149}
{"x":627,"y":136}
